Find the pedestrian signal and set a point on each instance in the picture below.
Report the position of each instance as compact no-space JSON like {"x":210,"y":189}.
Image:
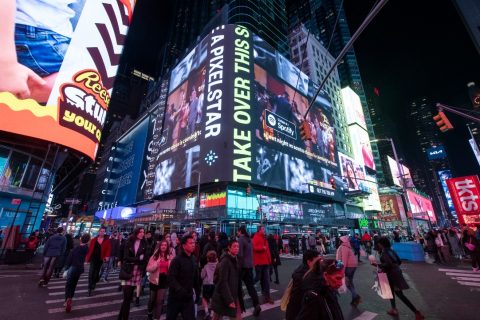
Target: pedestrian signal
{"x":442,"y":122}
{"x":305,"y":131}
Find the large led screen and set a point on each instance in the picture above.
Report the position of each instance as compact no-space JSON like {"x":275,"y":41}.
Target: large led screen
{"x":444,"y":175}
{"x":58,"y":66}
{"x":233,"y":115}
{"x":397,"y":176}
{"x":353,"y":107}
{"x":362,"y":148}
{"x":421,"y":207}
{"x":353,"y":173}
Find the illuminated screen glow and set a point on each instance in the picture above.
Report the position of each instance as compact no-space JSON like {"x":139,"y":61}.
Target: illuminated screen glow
{"x":59,"y":90}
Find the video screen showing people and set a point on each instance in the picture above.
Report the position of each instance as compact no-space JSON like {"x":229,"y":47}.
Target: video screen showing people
{"x":274,"y":96}
{"x":353,"y":172}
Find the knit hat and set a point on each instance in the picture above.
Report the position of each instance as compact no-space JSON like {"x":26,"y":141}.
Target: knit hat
{"x":345,"y":238}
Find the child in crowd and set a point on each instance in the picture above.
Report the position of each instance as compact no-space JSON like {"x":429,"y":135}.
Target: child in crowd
{"x":207,"y":274}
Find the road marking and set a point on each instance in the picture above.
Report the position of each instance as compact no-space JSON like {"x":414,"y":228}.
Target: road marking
{"x":463,"y":274}
{"x":9,"y":276}
{"x":86,"y":306}
{"x":83,"y":291}
{"x":466,"y":278}
{"x":103,"y":295}
{"x":107,"y":314}
{"x":458,"y":270}
{"x":366,"y":315}
{"x":465,"y":283}
{"x":85,"y":284}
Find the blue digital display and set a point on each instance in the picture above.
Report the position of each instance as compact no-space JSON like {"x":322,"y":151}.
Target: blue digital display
{"x":436,"y":153}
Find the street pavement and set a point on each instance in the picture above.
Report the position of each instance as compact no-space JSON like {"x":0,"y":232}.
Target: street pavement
{"x":440,"y":292}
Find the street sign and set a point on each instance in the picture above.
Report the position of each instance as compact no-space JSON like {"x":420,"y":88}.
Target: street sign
{"x":16,"y":202}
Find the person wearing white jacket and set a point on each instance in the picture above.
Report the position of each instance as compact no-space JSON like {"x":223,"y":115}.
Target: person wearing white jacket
{"x":346,"y":255}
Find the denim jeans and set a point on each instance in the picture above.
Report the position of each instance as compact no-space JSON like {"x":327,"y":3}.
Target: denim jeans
{"x":262,"y":274}
{"x":349,"y":273}
{"x":39,"y":49}
{"x":72,"y":279}
{"x":48,"y":265}
{"x":106,"y":267}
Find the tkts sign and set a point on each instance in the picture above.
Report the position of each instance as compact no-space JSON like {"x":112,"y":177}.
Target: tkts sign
{"x":465,"y":192}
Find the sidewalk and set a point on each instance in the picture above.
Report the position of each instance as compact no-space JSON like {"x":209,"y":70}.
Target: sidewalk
{"x":33,"y":265}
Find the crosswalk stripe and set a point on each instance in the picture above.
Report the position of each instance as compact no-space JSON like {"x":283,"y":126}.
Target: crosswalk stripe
{"x":103,"y":295}
{"x":466,"y":278}
{"x":265,"y":306}
{"x":107,"y":314}
{"x":463,"y":274}
{"x":84,"y":284}
{"x":83,"y":291}
{"x":87,"y":306}
{"x":465,"y":283}
{"x":366,"y":315}
{"x":457,"y":270}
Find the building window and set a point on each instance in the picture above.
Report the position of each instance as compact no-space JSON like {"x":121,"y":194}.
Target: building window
{"x":14,"y":170}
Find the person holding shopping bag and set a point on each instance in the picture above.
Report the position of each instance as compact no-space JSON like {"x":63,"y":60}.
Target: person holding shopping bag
{"x":390,"y":264}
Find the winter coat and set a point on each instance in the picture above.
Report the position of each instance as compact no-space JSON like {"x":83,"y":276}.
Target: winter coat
{"x":129,"y":255}
{"x":261,"y":251}
{"x":183,"y":277}
{"x":346,"y":255}
{"x":274,"y":252}
{"x":55,"y":246}
{"x":319,"y":300}
{"x":296,"y":293}
{"x":226,"y":286}
{"x":245,"y":255}
{"x":207,"y":272}
{"x":76,"y":258}
{"x":390,"y":264}
{"x":105,"y":249}
{"x":114,"y":247}
{"x":153,"y":267}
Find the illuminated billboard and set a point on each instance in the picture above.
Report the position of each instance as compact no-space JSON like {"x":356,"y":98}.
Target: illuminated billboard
{"x":353,"y":173}
{"x":391,"y":205}
{"x":232,"y":114}
{"x":421,"y":206}
{"x":396,"y":176}
{"x":59,"y":67}
{"x":362,"y":148}
{"x":444,"y":175}
{"x":353,"y":107}
{"x":465,"y":192}
{"x":117,"y":213}
{"x":436,"y":153}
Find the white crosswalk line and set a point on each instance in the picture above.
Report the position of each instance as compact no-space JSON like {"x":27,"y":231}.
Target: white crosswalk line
{"x":457,"y":274}
{"x":103,"y":295}
{"x":366,"y":315}
{"x":84,"y":291}
{"x":466,"y":278}
{"x":457,"y":270}
{"x":265,"y":306}
{"x":84,"y":284}
{"x":87,"y":306}
{"x":463,"y":277}
{"x":107,"y":314}
{"x":473,"y":284}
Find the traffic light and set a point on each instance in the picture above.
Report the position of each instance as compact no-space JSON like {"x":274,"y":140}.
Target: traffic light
{"x":442,"y":122}
{"x":305,"y":131}
{"x":474,"y":93}
{"x":333,"y":183}
{"x":247,"y":191}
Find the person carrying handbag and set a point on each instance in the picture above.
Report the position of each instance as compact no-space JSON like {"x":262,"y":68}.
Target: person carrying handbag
{"x":158,"y":268}
{"x":390,"y":264}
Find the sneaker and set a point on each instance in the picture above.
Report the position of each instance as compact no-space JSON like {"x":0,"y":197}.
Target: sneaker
{"x":68,"y":305}
{"x":257,"y":311}
{"x":105,"y":280}
{"x":269,"y":301}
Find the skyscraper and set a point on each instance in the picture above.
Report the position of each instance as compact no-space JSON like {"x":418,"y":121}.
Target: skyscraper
{"x":326,"y":19}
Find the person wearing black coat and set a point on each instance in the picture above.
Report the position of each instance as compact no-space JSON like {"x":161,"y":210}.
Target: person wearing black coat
{"x":319,"y":289}
{"x":390,"y":264}
{"x":183,"y":279}
{"x":225,"y":299}
{"x":275,"y":256}
{"x":133,"y":262}
{"x":296,"y":294}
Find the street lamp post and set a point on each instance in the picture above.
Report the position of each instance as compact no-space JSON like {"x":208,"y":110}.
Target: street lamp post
{"x":410,"y":225}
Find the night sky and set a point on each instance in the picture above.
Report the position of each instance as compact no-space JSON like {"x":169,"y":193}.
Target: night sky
{"x":414,"y":49}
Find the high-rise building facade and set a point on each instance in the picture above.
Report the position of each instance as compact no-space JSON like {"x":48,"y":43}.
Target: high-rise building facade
{"x":306,"y":48}
{"x":469,"y":11}
{"x":326,"y":19}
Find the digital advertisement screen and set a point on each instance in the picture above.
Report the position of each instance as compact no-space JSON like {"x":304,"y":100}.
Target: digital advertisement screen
{"x":443,"y":176}
{"x":231,"y":115}
{"x":56,"y":86}
{"x":390,"y":208}
{"x":362,"y":149}
{"x":436,"y":153}
{"x":117,"y":213}
{"x":465,"y":192}
{"x":353,"y":107}
{"x":396,"y":176}
{"x":352,"y":172}
{"x":421,"y":207}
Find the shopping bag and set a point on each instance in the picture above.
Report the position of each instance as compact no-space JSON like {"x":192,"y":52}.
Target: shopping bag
{"x":382,"y":287}
{"x":343,"y":289}
{"x":286,"y":296}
